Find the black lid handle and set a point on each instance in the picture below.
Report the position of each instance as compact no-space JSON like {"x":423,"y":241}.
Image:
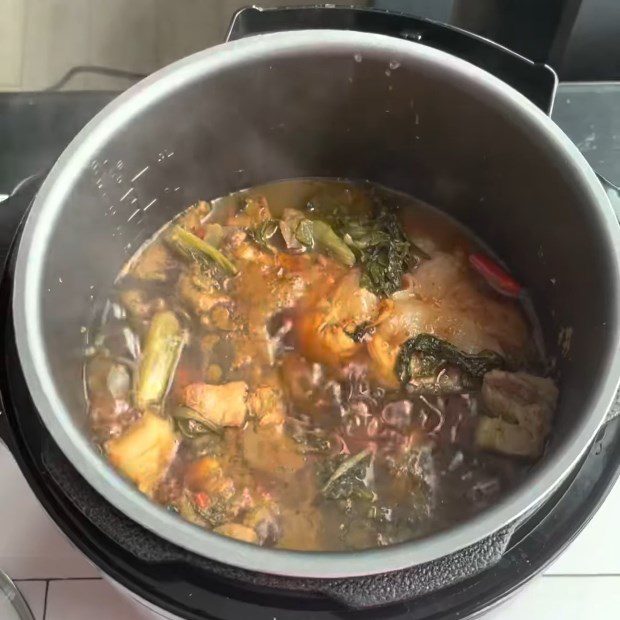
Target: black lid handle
{"x":613,"y":194}
{"x":536,"y":81}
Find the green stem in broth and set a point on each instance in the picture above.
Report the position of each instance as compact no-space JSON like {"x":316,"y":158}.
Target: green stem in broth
{"x":189,"y":245}
{"x":328,"y":241}
{"x":345,"y":466}
{"x":164,"y":342}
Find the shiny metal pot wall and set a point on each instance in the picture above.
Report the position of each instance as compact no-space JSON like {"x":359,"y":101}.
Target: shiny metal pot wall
{"x":322,"y":103}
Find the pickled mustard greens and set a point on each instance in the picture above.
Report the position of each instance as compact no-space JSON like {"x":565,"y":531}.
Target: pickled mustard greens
{"x":424,"y":355}
{"x":318,"y":365}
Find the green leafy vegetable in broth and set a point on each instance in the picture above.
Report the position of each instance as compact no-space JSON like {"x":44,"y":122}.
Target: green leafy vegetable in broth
{"x":191,"y":424}
{"x":384,"y":250}
{"x":304,"y":232}
{"x":326,"y":240}
{"x":262,"y":233}
{"x":379,"y":243}
{"x":424,"y":355}
{"x":301,"y":232}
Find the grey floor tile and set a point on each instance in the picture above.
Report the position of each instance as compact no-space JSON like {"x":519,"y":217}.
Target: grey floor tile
{"x":34,"y":593}
{"x":93,"y":599}
{"x":31,"y":546}
{"x":563,"y":598}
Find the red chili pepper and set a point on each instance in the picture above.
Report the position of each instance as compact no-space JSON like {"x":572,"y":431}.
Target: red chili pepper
{"x":202,"y":500}
{"x":200,"y":231}
{"x":495,"y":276}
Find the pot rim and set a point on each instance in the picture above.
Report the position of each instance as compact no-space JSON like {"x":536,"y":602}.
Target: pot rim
{"x":124,"y":496}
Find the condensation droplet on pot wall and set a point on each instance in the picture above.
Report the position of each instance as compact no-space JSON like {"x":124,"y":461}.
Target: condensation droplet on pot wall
{"x":131,"y":189}
{"x":357,"y":57}
{"x":133,"y":215}
{"x":139,"y":174}
{"x":150,"y":204}
{"x":565,"y":337}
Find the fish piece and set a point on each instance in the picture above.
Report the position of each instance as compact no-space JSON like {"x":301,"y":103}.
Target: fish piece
{"x":520,"y":408}
{"x":238,"y":532}
{"x":200,"y":292}
{"x":267,"y":404}
{"x":144,"y":451}
{"x":219,"y":405}
{"x":325,"y":329}
{"x":270,"y":450}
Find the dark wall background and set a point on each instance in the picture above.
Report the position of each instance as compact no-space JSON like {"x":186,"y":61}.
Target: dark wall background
{"x":593,"y":47}
{"x":578,"y":38}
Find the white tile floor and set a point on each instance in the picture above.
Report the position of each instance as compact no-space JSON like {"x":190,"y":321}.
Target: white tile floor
{"x":60,"y":584}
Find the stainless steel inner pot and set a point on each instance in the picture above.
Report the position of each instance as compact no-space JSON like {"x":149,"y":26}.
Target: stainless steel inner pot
{"x":322,"y":103}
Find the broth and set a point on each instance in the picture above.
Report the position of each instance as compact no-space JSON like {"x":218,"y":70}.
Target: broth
{"x":318,"y":365}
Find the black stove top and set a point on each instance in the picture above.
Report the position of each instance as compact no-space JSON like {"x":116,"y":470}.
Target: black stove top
{"x":34,"y":128}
